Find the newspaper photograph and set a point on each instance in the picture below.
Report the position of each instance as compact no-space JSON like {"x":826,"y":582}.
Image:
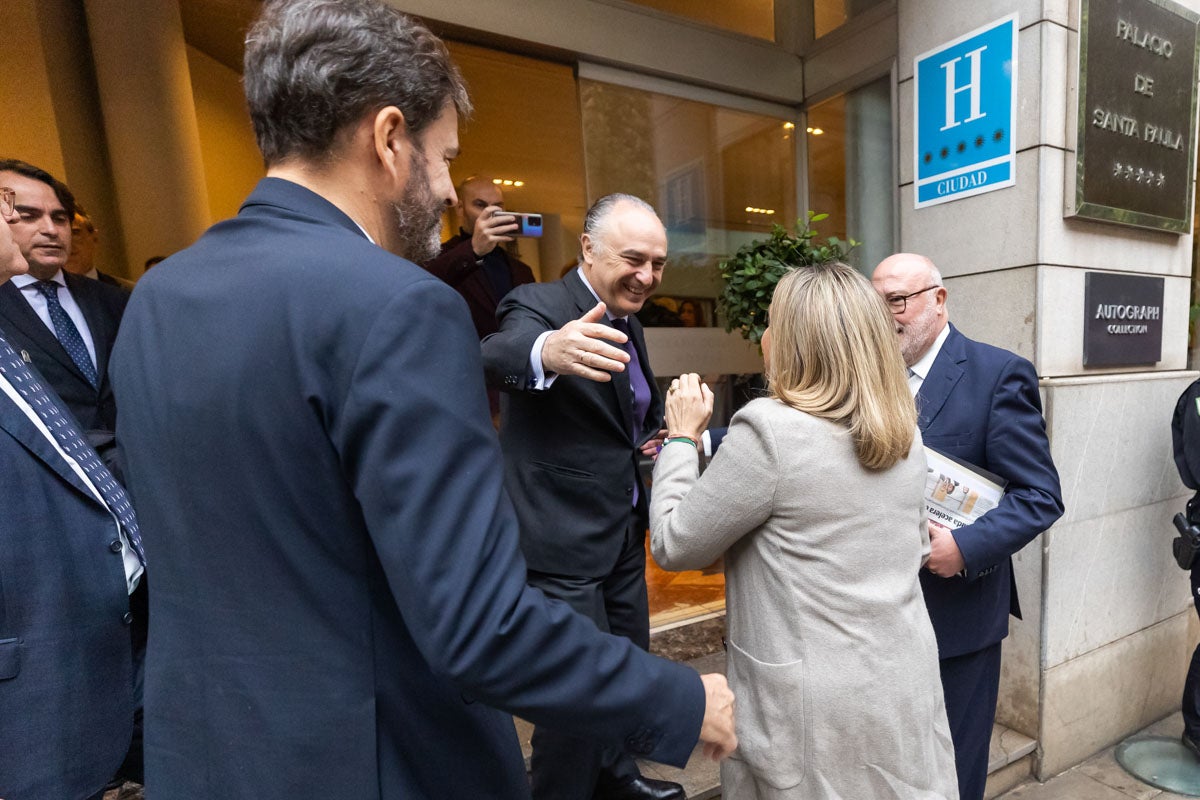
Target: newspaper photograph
{"x":957,"y":494}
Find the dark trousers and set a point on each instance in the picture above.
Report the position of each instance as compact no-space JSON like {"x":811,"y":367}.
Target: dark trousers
{"x":567,"y":767}
{"x":971,"y":684}
{"x":1191,"y":686}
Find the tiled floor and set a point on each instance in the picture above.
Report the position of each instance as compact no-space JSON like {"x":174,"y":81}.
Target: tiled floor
{"x":1101,"y":777}
{"x":676,"y":596}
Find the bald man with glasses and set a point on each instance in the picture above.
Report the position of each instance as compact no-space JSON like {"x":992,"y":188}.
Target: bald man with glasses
{"x":978,"y":404}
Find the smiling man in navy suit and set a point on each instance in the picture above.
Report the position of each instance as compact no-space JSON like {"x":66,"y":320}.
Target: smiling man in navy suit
{"x":979,"y":404}
{"x":344,"y":609}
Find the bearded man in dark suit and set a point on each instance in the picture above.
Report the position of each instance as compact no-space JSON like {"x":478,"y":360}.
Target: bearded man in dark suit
{"x":344,"y":610}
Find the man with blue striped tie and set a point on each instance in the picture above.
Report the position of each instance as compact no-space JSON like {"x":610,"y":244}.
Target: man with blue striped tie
{"x":66,"y":323}
{"x":72,"y":569}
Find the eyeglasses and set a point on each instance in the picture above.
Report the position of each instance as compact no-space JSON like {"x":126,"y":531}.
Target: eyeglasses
{"x":898,"y":303}
{"x":8,"y":202}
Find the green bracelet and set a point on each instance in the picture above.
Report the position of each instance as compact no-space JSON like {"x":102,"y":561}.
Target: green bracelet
{"x":687,"y":439}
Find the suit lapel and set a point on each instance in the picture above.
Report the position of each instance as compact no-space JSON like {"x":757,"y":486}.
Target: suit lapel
{"x":945,"y":373}
{"x":14,"y":422}
{"x":621,"y":395}
{"x":18,"y":315}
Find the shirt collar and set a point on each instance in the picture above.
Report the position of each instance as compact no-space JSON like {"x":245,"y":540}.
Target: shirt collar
{"x":26,"y":279}
{"x":925,"y":362}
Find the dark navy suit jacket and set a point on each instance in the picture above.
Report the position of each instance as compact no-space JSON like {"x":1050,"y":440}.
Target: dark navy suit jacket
{"x":102,"y":305}
{"x":66,"y":687}
{"x":980,"y":404}
{"x":340,"y":602}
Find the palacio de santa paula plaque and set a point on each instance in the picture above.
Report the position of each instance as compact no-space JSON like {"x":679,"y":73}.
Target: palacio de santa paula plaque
{"x":1136,"y":137}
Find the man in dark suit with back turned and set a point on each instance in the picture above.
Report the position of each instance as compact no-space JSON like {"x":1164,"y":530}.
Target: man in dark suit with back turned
{"x":343,"y":608}
{"x":979,"y":404}
{"x":66,"y":323}
{"x":69,"y":562}
{"x":580,"y":401}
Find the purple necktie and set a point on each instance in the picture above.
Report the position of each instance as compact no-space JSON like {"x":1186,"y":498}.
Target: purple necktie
{"x":30,"y":387}
{"x":638,"y":387}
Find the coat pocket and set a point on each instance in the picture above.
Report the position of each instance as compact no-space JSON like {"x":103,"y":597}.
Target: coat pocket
{"x":10,"y":658}
{"x":771,"y":714}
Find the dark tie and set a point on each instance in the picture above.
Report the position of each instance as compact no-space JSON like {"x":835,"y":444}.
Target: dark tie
{"x":67,"y":333}
{"x":29,"y":386}
{"x":638,"y":387}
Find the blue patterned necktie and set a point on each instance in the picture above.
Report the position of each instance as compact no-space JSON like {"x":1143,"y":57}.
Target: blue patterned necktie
{"x":68,"y":335}
{"x":29,"y":386}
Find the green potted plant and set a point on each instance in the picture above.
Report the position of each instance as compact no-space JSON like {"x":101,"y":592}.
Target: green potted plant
{"x":751,"y":274}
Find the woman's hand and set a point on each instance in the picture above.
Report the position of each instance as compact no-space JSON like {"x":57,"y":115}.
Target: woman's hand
{"x":689,"y":406}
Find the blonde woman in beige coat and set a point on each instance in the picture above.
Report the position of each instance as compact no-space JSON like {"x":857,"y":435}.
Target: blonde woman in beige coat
{"x":815,"y":500}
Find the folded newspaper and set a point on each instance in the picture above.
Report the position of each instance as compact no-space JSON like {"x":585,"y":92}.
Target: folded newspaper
{"x":957,"y":493}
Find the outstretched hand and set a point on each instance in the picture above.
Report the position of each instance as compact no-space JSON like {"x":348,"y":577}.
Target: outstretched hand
{"x":581,"y":347}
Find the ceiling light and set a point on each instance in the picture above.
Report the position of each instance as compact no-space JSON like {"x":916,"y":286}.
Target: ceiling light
{"x":815,"y":131}
{"x":787,"y":126}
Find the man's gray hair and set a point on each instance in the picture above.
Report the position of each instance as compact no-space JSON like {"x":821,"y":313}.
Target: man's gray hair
{"x":596,"y":220}
{"x":315,"y":67}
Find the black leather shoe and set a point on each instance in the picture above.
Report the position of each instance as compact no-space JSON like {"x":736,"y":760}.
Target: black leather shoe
{"x":643,"y":788}
{"x":1191,"y":745}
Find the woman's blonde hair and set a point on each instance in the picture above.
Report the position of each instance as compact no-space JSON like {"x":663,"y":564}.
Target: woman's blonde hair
{"x":834,"y":354}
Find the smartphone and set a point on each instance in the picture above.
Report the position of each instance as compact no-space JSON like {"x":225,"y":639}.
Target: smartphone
{"x":527,"y":224}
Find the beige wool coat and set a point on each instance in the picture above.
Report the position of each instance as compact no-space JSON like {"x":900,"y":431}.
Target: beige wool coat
{"x":831,"y":656}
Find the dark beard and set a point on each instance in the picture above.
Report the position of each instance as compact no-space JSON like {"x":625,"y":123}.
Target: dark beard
{"x":418,"y":216}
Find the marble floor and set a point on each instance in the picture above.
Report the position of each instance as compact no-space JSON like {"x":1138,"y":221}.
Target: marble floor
{"x":678,"y":596}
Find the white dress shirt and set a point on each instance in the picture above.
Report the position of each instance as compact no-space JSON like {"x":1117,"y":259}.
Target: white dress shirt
{"x":37,"y":301}
{"x":133,"y":567}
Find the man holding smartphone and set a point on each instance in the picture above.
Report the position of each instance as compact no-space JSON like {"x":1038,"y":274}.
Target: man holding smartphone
{"x":474,"y":263}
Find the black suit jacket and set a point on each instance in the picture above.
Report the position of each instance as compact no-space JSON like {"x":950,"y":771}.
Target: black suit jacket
{"x":342,"y":593}
{"x":570,"y":459}
{"x":66,"y":686}
{"x":94,"y":408}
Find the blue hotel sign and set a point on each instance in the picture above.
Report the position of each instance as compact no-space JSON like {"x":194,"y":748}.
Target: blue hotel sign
{"x":965,"y":106}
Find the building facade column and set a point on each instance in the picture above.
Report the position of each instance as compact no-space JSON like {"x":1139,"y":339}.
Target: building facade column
{"x":1108,"y":622}
{"x":150,"y":124}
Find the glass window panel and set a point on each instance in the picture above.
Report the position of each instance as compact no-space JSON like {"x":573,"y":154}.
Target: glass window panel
{"x":850,"y":170}
{"x":525,"y":129}
{"x":719,"y":178}
{"x":751,"y":17}
{"x":828,"y":15}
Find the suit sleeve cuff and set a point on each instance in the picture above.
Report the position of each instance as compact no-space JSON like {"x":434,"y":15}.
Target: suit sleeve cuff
{"x":539,"y":380}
